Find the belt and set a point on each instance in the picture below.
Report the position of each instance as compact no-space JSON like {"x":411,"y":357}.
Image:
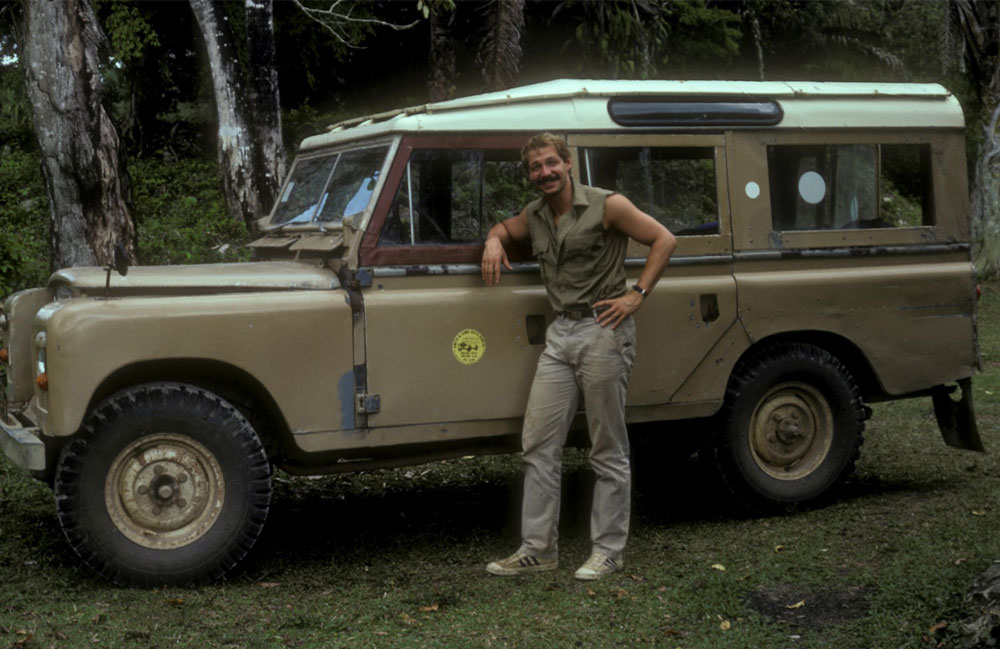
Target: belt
{"x":579,"y":313}
{"x":575,"y":314}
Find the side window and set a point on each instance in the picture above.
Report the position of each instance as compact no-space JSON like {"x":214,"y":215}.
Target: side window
{"x":837,"y":187}
{"x":454,"y":196}
{"x":675,"y":185}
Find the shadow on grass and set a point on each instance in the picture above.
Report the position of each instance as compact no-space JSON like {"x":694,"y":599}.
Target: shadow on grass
{"x":379,"y":517}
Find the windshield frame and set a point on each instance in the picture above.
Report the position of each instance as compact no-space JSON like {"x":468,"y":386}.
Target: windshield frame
{"x":314,"y":223}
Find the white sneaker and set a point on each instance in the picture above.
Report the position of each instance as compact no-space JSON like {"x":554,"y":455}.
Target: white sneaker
{"x":520,"y":563}
{"x":598,"y":566}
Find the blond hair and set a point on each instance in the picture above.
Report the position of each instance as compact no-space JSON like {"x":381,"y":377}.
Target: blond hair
{"x":541,"y":141}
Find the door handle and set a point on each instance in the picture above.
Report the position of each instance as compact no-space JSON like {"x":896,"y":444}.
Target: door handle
{"x":709,"y":308}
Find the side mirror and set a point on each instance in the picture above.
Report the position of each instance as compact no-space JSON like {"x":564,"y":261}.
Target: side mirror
{"x":118,"y":263}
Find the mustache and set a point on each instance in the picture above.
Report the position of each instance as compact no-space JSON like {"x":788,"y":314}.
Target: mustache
{"x":545,"y":179}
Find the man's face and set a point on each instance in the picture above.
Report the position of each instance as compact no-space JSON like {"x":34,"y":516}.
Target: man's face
{"x":547,"y":171}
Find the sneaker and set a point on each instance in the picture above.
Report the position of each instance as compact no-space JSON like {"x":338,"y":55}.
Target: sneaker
{"x":598,"y":566}
{"x":520,"y":563}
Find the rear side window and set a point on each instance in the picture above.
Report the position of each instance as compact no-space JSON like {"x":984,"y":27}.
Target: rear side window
{"x":841,"y":187}
{"x":675,"y":185}
{"x":454,"y":196}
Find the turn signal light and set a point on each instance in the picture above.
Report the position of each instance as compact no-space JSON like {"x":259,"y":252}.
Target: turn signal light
{"x":42,"y":381}
{"x":4,"y":355}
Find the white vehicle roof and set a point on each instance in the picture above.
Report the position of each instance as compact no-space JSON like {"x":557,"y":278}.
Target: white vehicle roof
{"x":578,"y":105}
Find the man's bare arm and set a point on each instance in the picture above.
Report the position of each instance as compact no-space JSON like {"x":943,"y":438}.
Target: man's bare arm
{"x":501,"y":234}
{"x":621,"y":214}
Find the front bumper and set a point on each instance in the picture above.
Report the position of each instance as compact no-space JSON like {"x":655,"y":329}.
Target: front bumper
{"x":22,"y":444}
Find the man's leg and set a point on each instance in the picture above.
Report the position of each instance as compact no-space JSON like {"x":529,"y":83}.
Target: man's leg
{"x":603,"y":371}
{"x":552,"y":402}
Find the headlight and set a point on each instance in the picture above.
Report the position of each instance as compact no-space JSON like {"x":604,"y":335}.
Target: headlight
{"x":63,"y":292}
{"x":40,"y":341}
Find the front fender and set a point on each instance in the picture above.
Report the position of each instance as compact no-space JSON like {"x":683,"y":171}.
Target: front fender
{"x":297,"y":344}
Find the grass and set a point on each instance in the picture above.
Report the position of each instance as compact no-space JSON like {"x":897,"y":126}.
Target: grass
{"x":396,"y":559}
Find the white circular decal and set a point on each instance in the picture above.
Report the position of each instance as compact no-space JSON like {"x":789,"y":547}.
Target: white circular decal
{"x":812,"y":187}
{"x":753,"y":189}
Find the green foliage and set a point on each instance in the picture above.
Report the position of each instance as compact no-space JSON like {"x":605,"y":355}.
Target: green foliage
{"x":632,"y":40}
{"x":128,"y":31}
{"x":180,"y":214}
{"x":24,"y":228}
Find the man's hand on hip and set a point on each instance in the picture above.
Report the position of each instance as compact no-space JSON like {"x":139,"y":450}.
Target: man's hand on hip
{"x":618,"y":308}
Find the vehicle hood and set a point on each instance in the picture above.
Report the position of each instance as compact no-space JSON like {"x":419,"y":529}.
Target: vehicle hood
{"x":196,"y":279}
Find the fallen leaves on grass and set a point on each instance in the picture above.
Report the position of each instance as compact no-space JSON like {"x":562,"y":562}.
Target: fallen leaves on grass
{"x":24,"y":637}
{"x":724,"y":624}
{"x":719,"y":567}
{"x":407,"y":618}
{"x":175,"y":601}
{"x":268,"y":584}
{"x":798,"y":604}
{"x":978,"y":512}
{"x":779,"y":548}
{"x":430,"y":608}
{"x":937,"y":627}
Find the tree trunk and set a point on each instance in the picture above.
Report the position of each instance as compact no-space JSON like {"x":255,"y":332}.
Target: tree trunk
{"x":85,"y":178}
{"x":500,"y":51}
{"x":441,"y":84}
{"x":251,"y":155}
{"x":265,"y":106}
{"x":979,"y":27}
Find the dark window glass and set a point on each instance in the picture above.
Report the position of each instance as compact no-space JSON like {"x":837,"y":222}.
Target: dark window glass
{"x":837,"y":187}
{"x":676,"y":186}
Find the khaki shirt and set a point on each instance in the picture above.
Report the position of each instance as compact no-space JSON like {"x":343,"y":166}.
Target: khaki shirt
{"x":581,"y":262}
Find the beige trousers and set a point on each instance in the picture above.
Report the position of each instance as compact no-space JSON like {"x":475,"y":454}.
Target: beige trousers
{"x":581,"y":358}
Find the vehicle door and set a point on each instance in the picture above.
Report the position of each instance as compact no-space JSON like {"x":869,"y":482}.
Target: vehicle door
{"x":680,"y":180}
{"x":440,"y":346}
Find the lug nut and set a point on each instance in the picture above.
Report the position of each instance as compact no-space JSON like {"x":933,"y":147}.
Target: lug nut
{"x":143,"y":490}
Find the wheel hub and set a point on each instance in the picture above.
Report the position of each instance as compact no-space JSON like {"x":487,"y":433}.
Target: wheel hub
{"x":791,"y":431}
{"x":164,"y":491}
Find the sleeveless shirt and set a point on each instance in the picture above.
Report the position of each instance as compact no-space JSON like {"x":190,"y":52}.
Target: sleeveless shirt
{"x":581,"y":262}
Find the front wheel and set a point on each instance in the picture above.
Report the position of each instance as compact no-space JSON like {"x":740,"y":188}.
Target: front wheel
{"x":165,"y":483}
{"x":791,"y":427}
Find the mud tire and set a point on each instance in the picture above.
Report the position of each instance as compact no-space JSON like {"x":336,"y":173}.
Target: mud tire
{"x":166,"y":483}
{"x":791,"y":428}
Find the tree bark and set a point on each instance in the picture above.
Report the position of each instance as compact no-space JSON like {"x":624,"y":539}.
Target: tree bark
{"x":269,"y":150}
{"x":500,"y":51}
{"x":979,"y":26}
{"x":251,"y":155}
{"x":86,"y":181}
{"x":441,"y":84}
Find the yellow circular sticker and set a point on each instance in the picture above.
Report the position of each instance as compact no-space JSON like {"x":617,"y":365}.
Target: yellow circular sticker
{"x":468,"y":346}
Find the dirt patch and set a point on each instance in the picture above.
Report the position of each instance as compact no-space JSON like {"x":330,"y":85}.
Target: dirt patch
{"x":809,"y":606}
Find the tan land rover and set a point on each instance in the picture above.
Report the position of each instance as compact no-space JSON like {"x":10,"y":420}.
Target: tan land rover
{"x":823,"y":262}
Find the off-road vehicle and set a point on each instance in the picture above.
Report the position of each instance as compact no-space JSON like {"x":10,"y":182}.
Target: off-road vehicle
{"x":823,"y":263}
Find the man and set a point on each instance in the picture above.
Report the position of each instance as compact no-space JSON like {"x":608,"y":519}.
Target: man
{"x":579,"y":235}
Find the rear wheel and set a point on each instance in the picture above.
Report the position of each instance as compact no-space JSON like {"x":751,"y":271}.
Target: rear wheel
{"x":166,"y":483}
{"x":791,"y":427}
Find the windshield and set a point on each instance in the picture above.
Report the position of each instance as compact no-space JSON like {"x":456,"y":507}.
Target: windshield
{"x":328,"y":188}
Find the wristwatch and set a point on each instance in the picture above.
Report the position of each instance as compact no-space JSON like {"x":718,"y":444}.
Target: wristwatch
{"x":640,"y":290}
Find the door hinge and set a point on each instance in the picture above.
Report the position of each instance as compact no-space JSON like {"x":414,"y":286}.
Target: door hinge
{"x":369,"y":404}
